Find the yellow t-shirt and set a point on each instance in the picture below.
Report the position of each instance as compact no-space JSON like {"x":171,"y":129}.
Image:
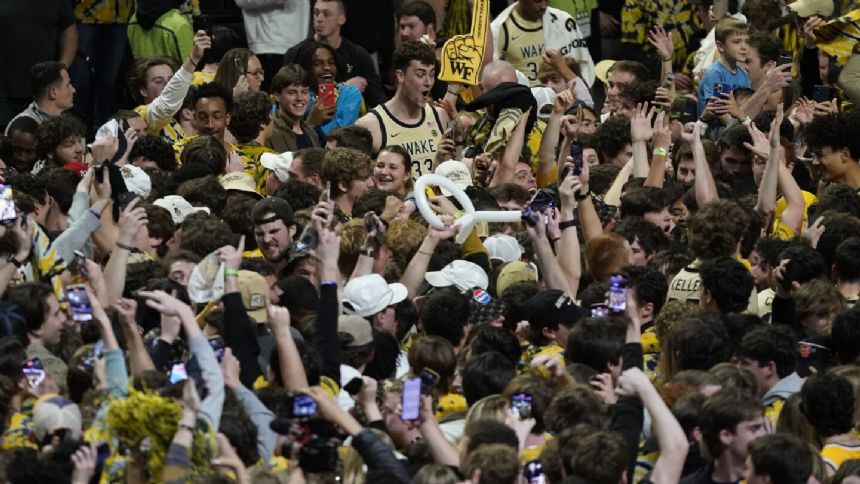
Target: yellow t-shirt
{"x":522,"y":45}
{"x":835,"y":454}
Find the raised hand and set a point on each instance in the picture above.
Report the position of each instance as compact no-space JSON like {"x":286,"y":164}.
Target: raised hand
{"x":563,"y":101}
{"x":130,"y":221}
{"x":202,"y":41}
{"x":640,"y":124}
{"x":662,"y":42}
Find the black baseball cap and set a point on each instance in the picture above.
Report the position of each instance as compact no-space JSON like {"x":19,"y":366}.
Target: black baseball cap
{"x":551,"y":307}
{"x":275,"y":205}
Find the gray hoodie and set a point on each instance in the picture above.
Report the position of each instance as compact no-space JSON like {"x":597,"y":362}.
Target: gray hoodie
{"x":783,"y":389}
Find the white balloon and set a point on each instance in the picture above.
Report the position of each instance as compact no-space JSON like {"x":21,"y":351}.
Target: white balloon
{"x":470,"y":216}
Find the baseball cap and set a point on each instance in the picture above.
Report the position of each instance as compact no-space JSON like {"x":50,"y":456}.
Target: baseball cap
{"x":278,"y":163}
{"x":514,"y":272}
{"x":275,"y":205}
{"x":207,"y":280}
{"x":54,"y":412}
{"x":461,"y":273}
{"x":545,"y":98}
{"x":178,"y":207}
{"x":553,"y":306}
{"x":255,"y":294}
{"x":808,"y":8}
{"x":601,"y":69}
{"x":240,"y":182}
{"x":484,"y":308}
{"x":354,"y":331}
{"x":457,"y":172}
{"x":136,"y":180}
{"x":503,"y":247}
{"x":370,"y":294}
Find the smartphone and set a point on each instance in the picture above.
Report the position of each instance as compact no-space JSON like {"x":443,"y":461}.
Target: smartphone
{"x":217,"y":344}
{"x":325,"y":196}
{"x":688,"y":113}
{"x":102,"y":453}
{"x":540,"y":201}
{"x":533,"y":472}
{"x":304,"y":407}
{"x":821,"y":94}
{"x":617,"y":293}
{"x":192,"y":368}
{"x":411,"y":398}
{"x":599,"y":310}
{"x":178,"y":373}
{"x":79,"y":302}
{"x":353,"y":387}
{"x":449,"y":129}
{"x":719,"y":89}
{"x":669,"y":81}
{"x":576,"y":154}
{"x":34,"y":371}
{"x":204,"y":23}
{"x":521,"y":405}
{"x":89,"y":361}
{"x":784,"y":58}
{"x":326,"y":94}
{"x":8,"y":213}
{"x":78,"y":265}
{"x":428,"y":380}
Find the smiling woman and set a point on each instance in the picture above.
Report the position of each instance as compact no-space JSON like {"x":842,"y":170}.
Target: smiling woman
{"x":393,"y":170}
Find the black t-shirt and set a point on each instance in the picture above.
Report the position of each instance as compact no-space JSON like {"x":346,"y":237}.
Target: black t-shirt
{"x":703,"y":476}
{"x":29,"y":34}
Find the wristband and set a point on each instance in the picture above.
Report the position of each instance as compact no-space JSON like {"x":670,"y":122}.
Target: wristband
{"x":127,"y":247}
{"x":458,"y":214}
{"x":581,"y":196}
{"x":566,"y":224}
{"x":660,"y":151}
{"x":666,"y":60}
{"x":187,"y":427}
{"x":231,"y":272}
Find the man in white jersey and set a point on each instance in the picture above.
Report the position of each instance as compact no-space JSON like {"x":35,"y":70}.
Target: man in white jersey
{"x":409,"y":119}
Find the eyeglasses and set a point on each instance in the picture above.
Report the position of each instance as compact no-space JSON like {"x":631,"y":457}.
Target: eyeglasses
{"x":259,"y":73}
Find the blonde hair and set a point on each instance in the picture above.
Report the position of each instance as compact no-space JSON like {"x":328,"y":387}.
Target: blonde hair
{"x":728,"y":27}
{"x":492,"y":407}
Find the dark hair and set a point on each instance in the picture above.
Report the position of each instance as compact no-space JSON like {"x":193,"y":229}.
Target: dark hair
{"x":642,"y":200}
{"x":156,"y":149}
{"x":420,"y":9}
{"x":638,"y":69}
{"x":834,"y":131}
{"x":596,"y":342}
{"x":385,"y":355}
{"x":769,"y":343}
{"x":601,"y":458}
{"x":697,"y":343}
{"x":299,"y":195}
{"x":445,"y":313}
{"x":291,"y":75}
{"x":373,"y":200}
{"x":61,"y":185}
{"x":576,"y":404}
{"x":488,"y":432}
{"x":715,"y":229}
{"x":204,"y":192}
{"x":839,"y":227}
{"x":804,"y":264}
{"x":250,"y":112}
{"x":356,"y":137}
{"x":242,"y":434}
{"x":651,"y":239}
{"x":13,"y":354}
{"x":601,"y":177}
{"x":764,"y":119}
{"x":136,"y":78}
{"x":495,"y":339}
{"x":612,"y":137}
{"x":32,"y":301}
{"x":827,"y":401}
{"x":734,"y":137}
{"x":650,"y":285}
{"x":53,"y":131}
{"x":45,"y":75}
{"x":160,"y":225}
{"x":783,"y":457}
{"x":845,"y":334}
{"x":305,"y":53}
{"x":515,"y":299}
{"x":728,"y":282}
{"x":412,"y":50}
{"x":203,"y":235}
{"x":725,"y":410}
{"x":510,"y":191}
{"x":847,"y":260}
{"x":203,"y":150}
{"x":838,"y":199}
{"x":486,"y":374}
{"x":213,"y":90}
{"x":238,"y":216}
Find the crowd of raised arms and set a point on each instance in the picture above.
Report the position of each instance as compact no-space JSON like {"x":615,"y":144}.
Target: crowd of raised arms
{"x":264,"y":241}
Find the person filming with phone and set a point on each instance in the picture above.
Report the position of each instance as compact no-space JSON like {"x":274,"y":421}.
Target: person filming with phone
{"x":333,"y":104}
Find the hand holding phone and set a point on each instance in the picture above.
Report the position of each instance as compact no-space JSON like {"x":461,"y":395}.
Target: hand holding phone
{"x":326,"y":94}
{"x":79,"y":302}
{"x":521,"y":405}
{"x":411,"y":405}
{"x":617,"y":293}
{"x":34,"y":372}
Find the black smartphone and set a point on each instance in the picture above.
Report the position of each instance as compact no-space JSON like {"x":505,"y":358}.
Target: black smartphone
{"x":353,"y":387}
{"x":521,"y":405}
{"x":102,"y":453}
{"x":688,"y":112}
{"x":411,"y":405}
{"x":428,"y":380}
{"x":217,"y":344}
{"x":303,"y":406}
{"x":192,"y":367}
{"x":617,"y":293}
{"x":204,"y":23}
{"x":79,"y":302}
{"x":533,"y":472}
{"x":576,"y":154}
{"x":784,"y":58}
{"x":822,"y":94}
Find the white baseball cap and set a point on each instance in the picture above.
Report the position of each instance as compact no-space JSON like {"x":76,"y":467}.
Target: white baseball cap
{"x":457,"y":172}
{"x":278,"y":163}
{"x":178,"y":207}
{"x":503,"y":247}
{"x":136,"y":180}
{"x":370,"y":294}
{"x":461,"y":273}
{"x":545,"y":97}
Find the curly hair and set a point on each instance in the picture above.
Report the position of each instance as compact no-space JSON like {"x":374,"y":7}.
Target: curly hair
{"x":251,"y":111}
{"x":728,"y":282}
{"x":154,"y":148}
{"x":213,"y":90}
{"x":612,"y":137}
{"x":206,"y":151}
{"x":716,"y":229}
{"x":827,"y":401}
{"x":650,"y":285}
{"x":53,"y":132}
{"x":835,"y":131}
{"x":651,"y":239}
{"x":412,"y":50}
{"x":202,"y":235}
{"x":305,"y":58}
{"x":639,"y":92}
{"x":345,"y":165}
{"x":204,"y":192}
{"x":299,"y":195}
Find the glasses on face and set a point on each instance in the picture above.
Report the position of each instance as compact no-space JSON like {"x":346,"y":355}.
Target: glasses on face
{"x":258,"y":73}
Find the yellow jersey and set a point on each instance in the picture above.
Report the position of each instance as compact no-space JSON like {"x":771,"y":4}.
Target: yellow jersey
{"x":835,"y":454}
{"x":420,"y":139}
{"x":522,"y":45}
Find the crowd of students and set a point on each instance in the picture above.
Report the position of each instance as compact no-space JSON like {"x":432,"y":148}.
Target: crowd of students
{"x":230,"y":276}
